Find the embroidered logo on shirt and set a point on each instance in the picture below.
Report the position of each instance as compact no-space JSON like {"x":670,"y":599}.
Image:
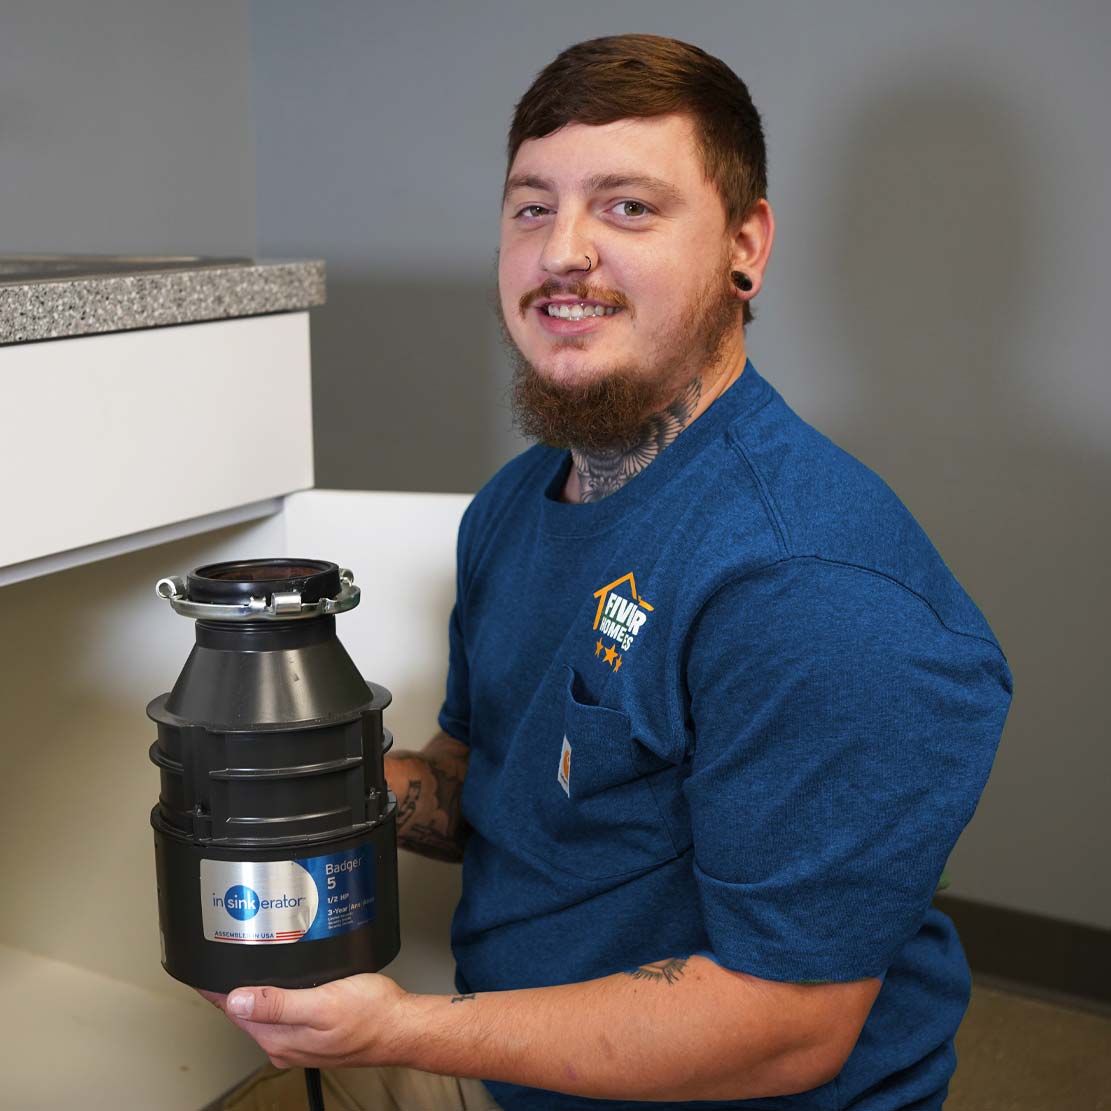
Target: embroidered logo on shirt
{"x":564,"y":775}
{"x":621,"y":615}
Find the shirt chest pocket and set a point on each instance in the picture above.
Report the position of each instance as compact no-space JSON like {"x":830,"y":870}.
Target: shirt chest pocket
{"x":596,"y":812}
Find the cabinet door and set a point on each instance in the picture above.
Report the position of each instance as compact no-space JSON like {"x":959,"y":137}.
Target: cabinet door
{"x":401,"y":549}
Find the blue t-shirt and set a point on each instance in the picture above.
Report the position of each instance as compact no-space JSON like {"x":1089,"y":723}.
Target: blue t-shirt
{"x":738,"y":707}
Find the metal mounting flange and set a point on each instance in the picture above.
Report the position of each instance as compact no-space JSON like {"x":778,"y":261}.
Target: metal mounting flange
{"x":281,"y":607}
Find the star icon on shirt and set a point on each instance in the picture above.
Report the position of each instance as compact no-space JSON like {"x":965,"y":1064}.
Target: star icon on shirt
{"x":598,"y":648}
{"x":610,"y":653}
{"x":617,"y":664}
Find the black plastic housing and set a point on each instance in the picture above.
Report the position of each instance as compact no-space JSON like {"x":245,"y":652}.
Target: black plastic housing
{"x":270,"y":748}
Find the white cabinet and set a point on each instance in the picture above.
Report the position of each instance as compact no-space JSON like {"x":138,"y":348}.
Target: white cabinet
{"x":89,"y":1018}
{"x":115,"y":436}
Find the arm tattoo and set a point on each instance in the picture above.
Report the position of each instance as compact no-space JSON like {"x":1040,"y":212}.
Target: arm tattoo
{"x":407,"y":807}
{"x":605,"y":472}
{"x":462,"y":998}
{"x":440,"y":836}
{"x":448,"y":789}
{"x":662,"y":971}
{"x":423,"y":839}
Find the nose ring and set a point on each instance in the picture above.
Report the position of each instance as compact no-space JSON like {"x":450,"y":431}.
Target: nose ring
{"x":589,"y":264}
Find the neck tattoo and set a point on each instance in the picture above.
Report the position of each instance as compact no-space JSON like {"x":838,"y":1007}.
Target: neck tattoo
{"x":602,"y":473}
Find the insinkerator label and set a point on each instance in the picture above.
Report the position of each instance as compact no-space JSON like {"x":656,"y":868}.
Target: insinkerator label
{"x":280,"y":901}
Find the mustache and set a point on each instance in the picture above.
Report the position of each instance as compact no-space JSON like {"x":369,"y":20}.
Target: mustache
{"x":579,"y":290}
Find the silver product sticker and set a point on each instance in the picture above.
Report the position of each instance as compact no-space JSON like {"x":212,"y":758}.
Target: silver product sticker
{"x":275,"y":902}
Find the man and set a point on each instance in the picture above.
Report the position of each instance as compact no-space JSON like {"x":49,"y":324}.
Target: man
{"x":716,"y":713}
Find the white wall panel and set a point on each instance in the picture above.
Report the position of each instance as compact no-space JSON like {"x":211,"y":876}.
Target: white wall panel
{"x":82,"y":652}
{"x":401,"y":548}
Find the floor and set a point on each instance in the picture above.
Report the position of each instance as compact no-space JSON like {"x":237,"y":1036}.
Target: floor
{"x":1020,"y":1049}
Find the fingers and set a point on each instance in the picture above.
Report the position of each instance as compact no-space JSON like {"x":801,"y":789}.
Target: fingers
{"x":283,"y":1046}
{"x":320,"y":1027}
{"x":296,"y":1046}
{"x":275,"y":1006}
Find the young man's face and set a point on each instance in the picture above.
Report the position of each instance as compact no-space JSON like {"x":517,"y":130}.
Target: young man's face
{"x":632,"y":198}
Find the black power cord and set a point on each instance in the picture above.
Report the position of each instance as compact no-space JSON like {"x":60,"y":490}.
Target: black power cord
{"x":315,"y":1089}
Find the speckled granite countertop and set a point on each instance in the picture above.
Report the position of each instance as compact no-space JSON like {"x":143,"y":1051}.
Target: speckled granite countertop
{"x":56,"y":303}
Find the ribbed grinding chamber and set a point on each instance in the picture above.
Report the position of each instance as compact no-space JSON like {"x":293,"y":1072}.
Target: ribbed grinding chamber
{"x":270,"y":754}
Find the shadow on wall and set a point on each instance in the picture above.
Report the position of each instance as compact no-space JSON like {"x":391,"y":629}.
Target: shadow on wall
{"x":946,"y":187}
{"x":409,"y":381}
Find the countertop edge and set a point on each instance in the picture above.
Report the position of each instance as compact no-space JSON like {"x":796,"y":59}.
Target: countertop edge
{"x":81,"y":306}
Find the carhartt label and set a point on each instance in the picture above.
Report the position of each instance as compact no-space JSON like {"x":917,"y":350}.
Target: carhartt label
{"x":565,"y":767}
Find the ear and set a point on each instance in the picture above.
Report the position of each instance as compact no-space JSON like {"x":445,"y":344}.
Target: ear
{"x":752,"y":245}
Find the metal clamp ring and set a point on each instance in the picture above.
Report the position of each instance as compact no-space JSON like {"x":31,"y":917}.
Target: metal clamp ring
{"x":281,"y":607}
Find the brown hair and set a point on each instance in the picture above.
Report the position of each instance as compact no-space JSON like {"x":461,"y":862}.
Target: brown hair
{"x":640,"y":76}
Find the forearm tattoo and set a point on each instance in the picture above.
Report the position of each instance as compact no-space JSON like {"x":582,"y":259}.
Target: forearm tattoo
{"x":661,"y":971}
{"x":441,"y":834}
{"x":601,"y":474}
{"x":462,"y":998}
{"x":407,"y":807}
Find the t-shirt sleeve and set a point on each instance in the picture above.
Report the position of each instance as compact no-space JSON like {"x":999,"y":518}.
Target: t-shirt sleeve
{"x":842,"y":736}
{"x":455,"y":713}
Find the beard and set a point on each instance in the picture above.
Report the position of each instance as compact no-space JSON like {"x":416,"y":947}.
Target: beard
{"x":617,"y":409}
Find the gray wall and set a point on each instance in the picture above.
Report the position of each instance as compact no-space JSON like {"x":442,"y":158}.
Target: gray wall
{"x":935,"y":302}
{"x":379,"y":131}
{"x":125,"y":127}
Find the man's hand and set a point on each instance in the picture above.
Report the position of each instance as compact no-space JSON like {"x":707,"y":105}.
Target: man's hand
{"x":347,"y":1023}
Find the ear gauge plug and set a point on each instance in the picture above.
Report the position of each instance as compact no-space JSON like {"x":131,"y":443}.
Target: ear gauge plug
{"x":742,"y":281}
